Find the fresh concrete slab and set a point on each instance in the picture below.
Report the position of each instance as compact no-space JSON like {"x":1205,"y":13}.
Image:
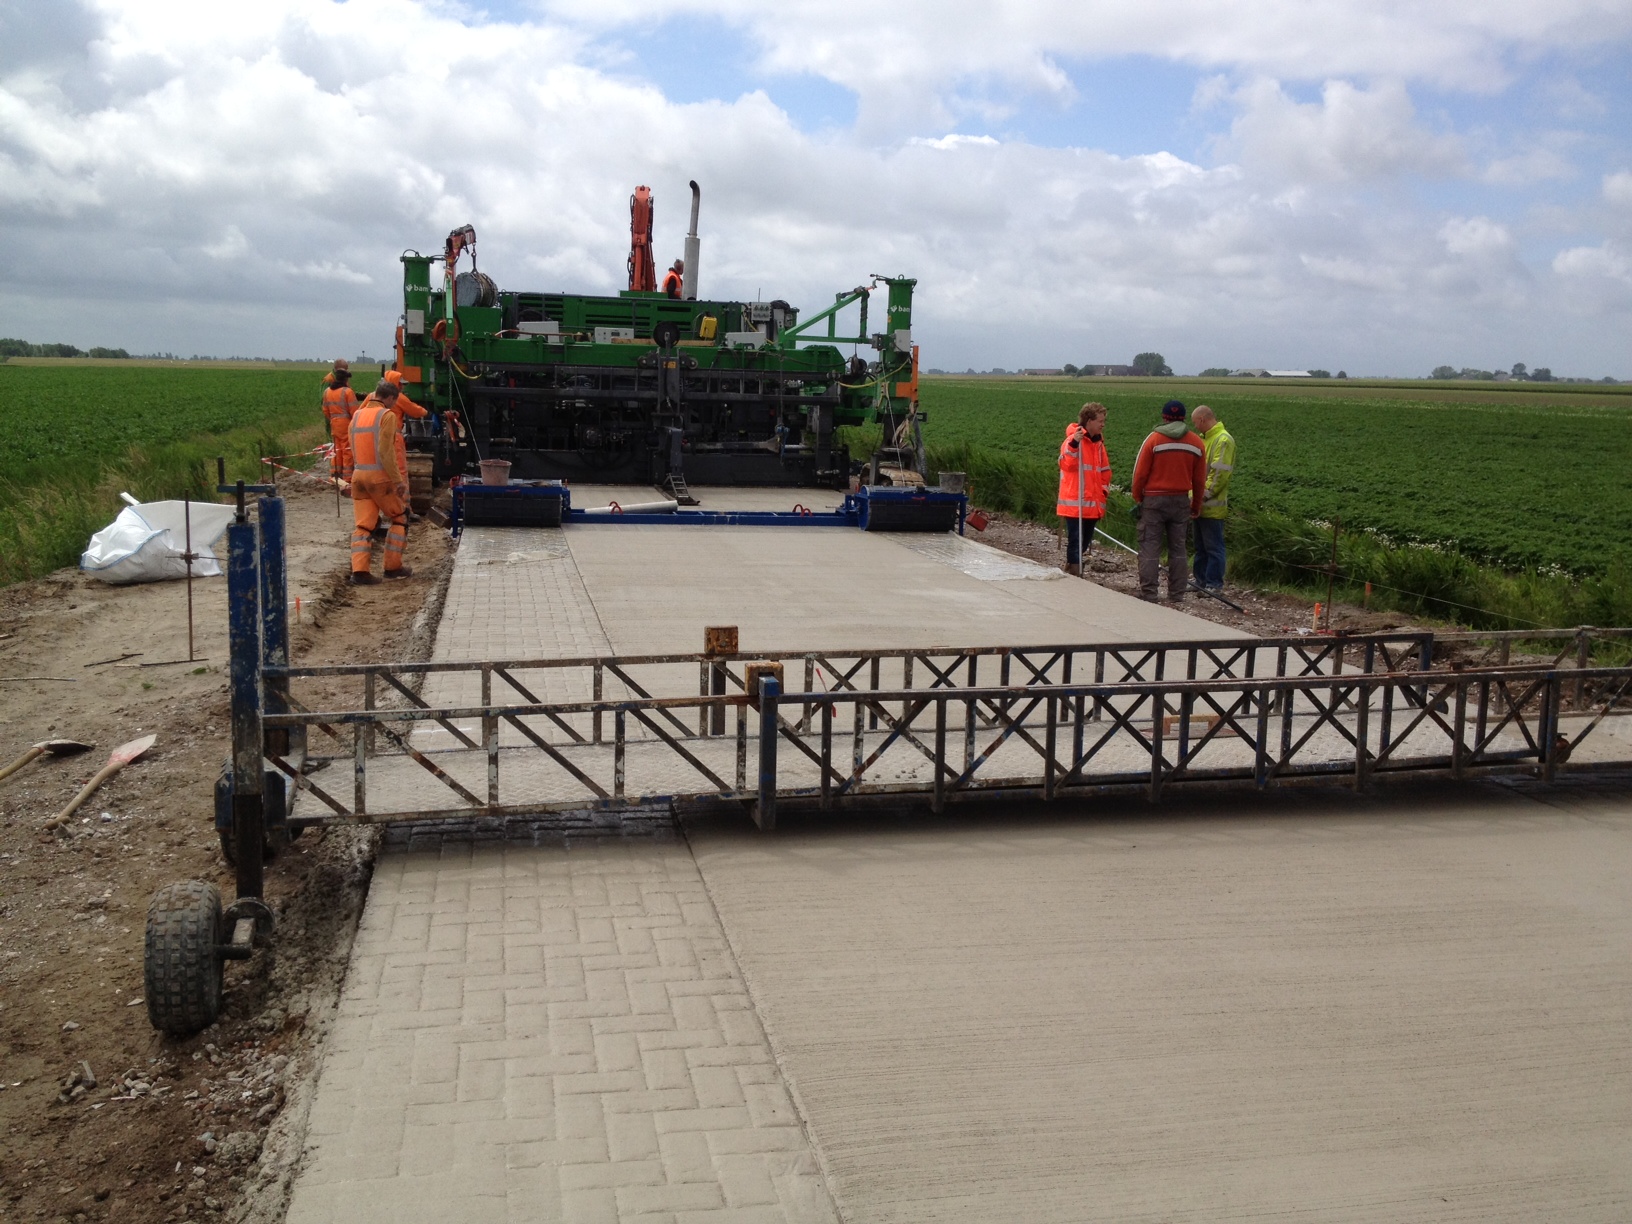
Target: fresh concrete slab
{"x":1290,"y":1009}
{"x":1367,"y":1013}
{"x":655,"y":588}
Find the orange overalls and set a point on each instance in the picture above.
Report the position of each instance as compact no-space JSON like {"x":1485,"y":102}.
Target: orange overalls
{"x":673,"y":283}
{"x":338,"y":405}
{"x":378,"y":485}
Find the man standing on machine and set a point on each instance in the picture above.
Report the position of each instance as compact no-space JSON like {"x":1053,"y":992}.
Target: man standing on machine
{"x":674,"y":280}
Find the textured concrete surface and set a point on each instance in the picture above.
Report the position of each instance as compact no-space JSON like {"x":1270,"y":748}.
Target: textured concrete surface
{"x":1284,"y":1009}
{"x":549,"y":1034}
{"x":656,"y":588}
{"x":1294,"y":1012}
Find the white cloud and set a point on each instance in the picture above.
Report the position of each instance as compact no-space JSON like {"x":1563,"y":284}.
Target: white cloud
{"x":1534,"y":165}
{"x":1476,"y":238}
{"x":1352,"y":134}
{"x":1618,"y":188}
{"x":1591,"y":262}
{"x":326,"y":270}
{"x":233,"y":245}
{"x":1346,"y":271}
{"x":952,"y":141}
{"x":913,"y":56}
{"x":250,"y":174}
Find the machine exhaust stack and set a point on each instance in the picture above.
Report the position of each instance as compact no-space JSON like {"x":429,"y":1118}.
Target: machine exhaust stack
{"x":688,"y":286}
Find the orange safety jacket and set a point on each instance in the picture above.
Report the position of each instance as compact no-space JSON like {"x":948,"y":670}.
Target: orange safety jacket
{"x":400,"y":407}
{"x":673,"y":285}
{"x":374,"y":447}
{"x":1085,"y":475}
{"x":404,"y":406}
{"x":338,"y":405}
{"x":338,"y":401}
{"x":1172,"y":462}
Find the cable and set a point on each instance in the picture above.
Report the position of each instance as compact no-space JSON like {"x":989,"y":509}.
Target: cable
{"x":1451,"y":603}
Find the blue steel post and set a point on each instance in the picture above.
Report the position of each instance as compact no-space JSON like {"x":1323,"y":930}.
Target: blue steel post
{"x":244,"y":644}
{"x":765,"y":809}
{"x":275,"y":620}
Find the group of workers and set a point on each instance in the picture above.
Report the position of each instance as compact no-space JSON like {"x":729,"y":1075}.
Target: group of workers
{"x":1182,"y":476}
{"x":370,"y":457}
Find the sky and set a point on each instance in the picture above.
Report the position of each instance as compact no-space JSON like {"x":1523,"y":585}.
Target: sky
{"x":1378,"y":186}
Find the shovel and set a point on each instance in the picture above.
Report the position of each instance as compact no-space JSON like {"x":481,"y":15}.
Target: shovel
{"x":45,"y":748}
{"x":120,"y":757}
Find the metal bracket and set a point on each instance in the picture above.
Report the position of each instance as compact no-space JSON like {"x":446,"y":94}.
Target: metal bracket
{"x":253,"y":911}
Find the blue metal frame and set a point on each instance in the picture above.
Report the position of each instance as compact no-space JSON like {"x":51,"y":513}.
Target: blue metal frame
{"x":250,"y":798}
{"x":244,"y":667}
{"x":854,"y":512}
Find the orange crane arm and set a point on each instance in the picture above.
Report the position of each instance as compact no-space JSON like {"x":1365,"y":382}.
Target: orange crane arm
{"x":642,"y":270}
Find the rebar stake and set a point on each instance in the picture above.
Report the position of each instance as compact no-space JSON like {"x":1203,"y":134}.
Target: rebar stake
{"x":187,"y":523}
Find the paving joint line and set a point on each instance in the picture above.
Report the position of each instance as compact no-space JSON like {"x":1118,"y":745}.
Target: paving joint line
{"x":770,"y":1039}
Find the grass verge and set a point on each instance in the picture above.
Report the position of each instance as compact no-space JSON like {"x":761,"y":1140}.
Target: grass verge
{"x":1273,"y":549}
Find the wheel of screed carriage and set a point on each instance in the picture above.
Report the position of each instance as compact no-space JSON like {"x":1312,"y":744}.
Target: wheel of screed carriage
{"x":276,"y":839}
{"x":181,"y":970}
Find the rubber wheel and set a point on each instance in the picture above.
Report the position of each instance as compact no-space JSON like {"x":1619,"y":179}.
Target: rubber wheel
{"x":273,"y":843}
{"x":181,"y":973}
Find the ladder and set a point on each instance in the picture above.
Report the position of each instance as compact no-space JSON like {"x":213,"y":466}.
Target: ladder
{"x":674,"y":484}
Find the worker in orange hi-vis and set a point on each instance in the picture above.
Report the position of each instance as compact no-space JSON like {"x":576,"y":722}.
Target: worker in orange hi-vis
{"x":404,"y":407}
{"x":379,"y":485}
{"x":339,"y":402}
{"x":674,"y":282}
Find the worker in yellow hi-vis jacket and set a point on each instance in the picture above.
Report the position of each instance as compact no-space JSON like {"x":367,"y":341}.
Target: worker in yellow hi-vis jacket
{"x":1215,"y":502}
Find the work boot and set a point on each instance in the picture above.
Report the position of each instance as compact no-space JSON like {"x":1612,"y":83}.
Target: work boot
{"x":402,"y":571}
{"x":363,"y":578}
{"x":1074,"y":568}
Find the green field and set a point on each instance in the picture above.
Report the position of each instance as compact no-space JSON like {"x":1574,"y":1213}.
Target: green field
{"x":74,"y":435}
{"x":1518,"y":478}
{"x":1494,"y":505}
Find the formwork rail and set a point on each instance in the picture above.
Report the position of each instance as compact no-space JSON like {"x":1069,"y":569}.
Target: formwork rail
{"x":1041,"y":736}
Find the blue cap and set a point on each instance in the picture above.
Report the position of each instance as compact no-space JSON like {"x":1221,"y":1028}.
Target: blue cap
{"x":1172,"y":411}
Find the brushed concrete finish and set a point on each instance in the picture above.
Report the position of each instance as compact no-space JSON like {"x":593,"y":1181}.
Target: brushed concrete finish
{"x":1388,"y":1012}
{"x":656,"y":588}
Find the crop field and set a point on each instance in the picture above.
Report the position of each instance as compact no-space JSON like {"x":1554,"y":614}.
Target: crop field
{"x":73,"y":436}
{"x":1533,"y":478}
{"x":51,"y":414}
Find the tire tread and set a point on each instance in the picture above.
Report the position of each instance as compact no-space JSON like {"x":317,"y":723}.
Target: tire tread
{"x":181,"y":970}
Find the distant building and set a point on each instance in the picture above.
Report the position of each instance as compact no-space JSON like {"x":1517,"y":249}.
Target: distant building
{"x":1286,"y":373}
{"x":1108,"y":371}
{"x":1252,"y":373}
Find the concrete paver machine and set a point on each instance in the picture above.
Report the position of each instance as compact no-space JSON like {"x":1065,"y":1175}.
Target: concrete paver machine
{"x":645,"y":387}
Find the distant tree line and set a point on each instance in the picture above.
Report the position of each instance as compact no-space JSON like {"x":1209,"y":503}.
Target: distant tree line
{"x":1144,"y":365}
{"x":22,"y":348}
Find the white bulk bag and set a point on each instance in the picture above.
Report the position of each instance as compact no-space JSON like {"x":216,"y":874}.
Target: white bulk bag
{"x":147,"y":542}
